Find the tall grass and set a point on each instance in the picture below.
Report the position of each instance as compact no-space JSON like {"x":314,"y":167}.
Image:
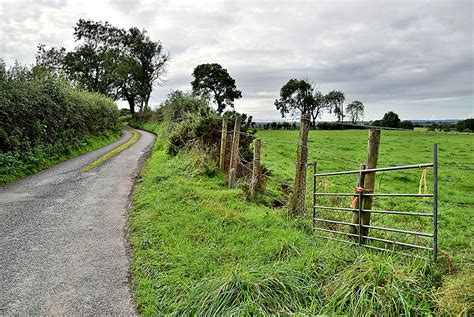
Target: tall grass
{"x":199,"y":248}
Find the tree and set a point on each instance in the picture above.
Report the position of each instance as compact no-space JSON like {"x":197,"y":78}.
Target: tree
{"x":127,"y":74}
{"x":391,"y":120}
{"x":212,"y":79}
{"x":52,"y":59}
{"x":320,"y":104}
{"x":335,"y":102}
{"x":93,"y":62}
{"x":296,"y":96}
{"x":118,"y":63}
{"x":355,"y":110}
{"x":465,"y":125}
{"x":300,"y":97}
{"x":407,"y":124}
{"x":151,"y":62}
{"x":3,"y":70}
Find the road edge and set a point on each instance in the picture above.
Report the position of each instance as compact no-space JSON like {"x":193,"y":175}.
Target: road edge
{"x":102,"y":159}
{"x":128,"y":249}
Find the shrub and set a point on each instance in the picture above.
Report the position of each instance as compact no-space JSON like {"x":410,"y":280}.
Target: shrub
{"x":407,"y":124}
{"x":125,"y":119}
{"x":124,"y":112}
{"x":337,"y":126}
{"x":47,"y":110}
{"x":465,"y":125}
{"x":43,"y":116}
{"x":191,"y":122}
{"x":179,"y":104}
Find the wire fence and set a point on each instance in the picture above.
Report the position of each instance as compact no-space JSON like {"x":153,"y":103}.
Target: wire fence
{"x":281,"y":178}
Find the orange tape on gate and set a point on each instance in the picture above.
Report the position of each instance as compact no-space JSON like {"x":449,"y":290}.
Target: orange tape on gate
{"x":355,"y":199}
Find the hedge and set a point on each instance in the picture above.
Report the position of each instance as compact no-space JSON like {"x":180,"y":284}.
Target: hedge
{"x":44,"y":116}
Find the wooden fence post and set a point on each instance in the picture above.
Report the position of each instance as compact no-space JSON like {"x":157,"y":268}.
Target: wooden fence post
{"x":234,"y":155}
{"x":372,"y":158}
{"x":256,"y":182}
{"x":296,"y":205}
{"x":223,"y":145}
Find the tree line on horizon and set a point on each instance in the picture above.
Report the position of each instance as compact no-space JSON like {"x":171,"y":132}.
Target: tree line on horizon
{"x":126,"y":64}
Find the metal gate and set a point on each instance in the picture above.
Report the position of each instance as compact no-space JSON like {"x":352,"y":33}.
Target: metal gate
{"x":364,"y":193}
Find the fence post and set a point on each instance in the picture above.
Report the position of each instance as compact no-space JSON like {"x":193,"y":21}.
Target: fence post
{"x":223,"y":145}
{"x":296,"y":206}
{"x":356,"y":214}
{"x":234,"y":154}
{"x":372,"y":158}
{"x":256,"y":182}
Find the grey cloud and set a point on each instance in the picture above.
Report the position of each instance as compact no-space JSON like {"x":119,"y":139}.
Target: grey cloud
{"x":412,"y":54}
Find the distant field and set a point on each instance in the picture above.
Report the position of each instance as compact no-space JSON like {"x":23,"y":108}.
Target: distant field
{"x":346,"y":150}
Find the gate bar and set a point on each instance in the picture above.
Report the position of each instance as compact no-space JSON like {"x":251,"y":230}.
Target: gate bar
{"x":400,"y":231}
{"x":398,"y":243}
{"x":335,"y":221}
{"x":338,"y":232}
{"x":392,"y":212}
{"x":389,"y":212}
{"x":334,"y":194}
{"x":359,"y":205}
{"x":381,"y":169}
{"x":375,"y":195}
{"x":371,"y":247}
{"x":336,"y":239}
{"x":400,"y":195}
{"x":337,"y":208}
{"x":435,"y":202}
{"x":402,"y":253}
{"x":314,"y":192}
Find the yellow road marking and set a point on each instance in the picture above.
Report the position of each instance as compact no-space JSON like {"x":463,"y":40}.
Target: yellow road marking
{"x":101,"y":160}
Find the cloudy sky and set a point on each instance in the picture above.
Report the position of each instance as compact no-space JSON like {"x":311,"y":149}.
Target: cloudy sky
{"x":412,"y":57}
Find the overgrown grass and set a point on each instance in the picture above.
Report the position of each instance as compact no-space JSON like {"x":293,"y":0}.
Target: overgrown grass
{"x":16,"y":165}
{"x":199,"y":248}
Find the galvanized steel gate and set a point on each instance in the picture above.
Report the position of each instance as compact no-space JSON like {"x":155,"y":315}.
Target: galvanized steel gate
{"x":361,"y":194}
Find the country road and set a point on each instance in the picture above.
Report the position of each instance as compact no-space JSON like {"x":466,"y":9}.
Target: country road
{"x":63,"y":243}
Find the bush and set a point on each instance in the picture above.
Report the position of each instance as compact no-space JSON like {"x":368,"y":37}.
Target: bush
{"x":125,"y":112}
{"x":391,"y":120}
{"x":191,"y":122}
{"x":337,"y":126}
{"x":47,"y":110}
{"x":465,"y":125}
{"x":43,"y":116}
{"x":407,"y":124}
{"x":179,"y":104}
{"x":125,"y":119}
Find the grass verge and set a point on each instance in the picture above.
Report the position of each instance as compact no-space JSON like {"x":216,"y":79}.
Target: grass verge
{"x":17,"y":165}
{"x":199,"y":248}
{"x":101,"y":160}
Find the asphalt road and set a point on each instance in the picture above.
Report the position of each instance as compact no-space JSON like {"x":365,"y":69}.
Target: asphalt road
{"x":63,"y":242}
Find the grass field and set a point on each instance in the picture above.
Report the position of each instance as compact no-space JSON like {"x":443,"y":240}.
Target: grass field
{"x":199,"y":248}
{"x":346,"y":150}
